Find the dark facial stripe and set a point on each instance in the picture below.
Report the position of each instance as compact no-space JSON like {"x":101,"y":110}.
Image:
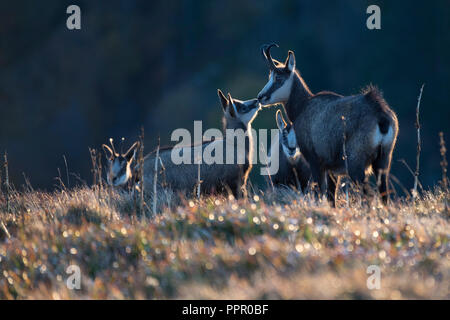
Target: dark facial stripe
{"x":286,"y":144}
{"x":276,"y":84}
{"x":243,"y":108}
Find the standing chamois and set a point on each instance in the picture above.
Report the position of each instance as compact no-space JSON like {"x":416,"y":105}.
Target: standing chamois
{"x":370,"y":133}
{"x":215,"y":177}
{"x":293,"y":170}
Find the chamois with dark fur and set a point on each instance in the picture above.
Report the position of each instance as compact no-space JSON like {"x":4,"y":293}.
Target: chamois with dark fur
{"x":215,"y":178}
{"x":120,"y":168}
{"x":293,"y":170}
{"x":371,"y":127}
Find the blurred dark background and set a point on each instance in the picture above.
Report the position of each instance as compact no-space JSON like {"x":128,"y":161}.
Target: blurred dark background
{"x":159,"y":63}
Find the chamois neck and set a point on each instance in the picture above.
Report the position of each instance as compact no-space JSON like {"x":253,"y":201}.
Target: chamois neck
{"x":300,"y":93}
{"x":233,"y":124}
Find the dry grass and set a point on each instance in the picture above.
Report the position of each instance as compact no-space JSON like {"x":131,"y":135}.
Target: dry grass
{"x":278,"y":245}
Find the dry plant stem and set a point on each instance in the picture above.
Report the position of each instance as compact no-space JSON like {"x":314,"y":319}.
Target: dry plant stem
{"x":345,"y":160}
{"x":67,"y":171}
{"x":141,"y":173}
{"x":155,"y":179}
{"x":61,"y":183}
{"x":444,"y":182}
{"x":93,"y":161}
{"x":28,"y":186}
{"x":1,"y":189}
{"x":8,"y":209}
{"x":411,"y":171}
{"x":416,"y":173}
{"x":378,"y":176}
{"x":135,"y":203}
{"x":404,"y":189}
{"x":4,"y":229}
{"x":110,"y":213}
{"x":96,"y":171}
{"x":199,"y":181}
{"x":444,"y":163}
{"x":99,"y":172}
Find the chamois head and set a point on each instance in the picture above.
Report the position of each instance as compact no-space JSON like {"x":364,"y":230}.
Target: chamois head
{"x":119,"y":170}
{"x":237,"y":110}
{"x":288,"y":139}
{"x":278,"y":88}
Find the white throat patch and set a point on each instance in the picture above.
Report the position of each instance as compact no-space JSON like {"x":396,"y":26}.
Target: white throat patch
{"x":291,"y":155}
{"x":247,"y":118}
{"x":113,"y":177}
{"x":280,"y":95}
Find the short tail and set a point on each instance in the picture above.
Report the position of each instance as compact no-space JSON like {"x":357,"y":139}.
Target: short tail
{"x":374,"y":97}
{"x":387,"y":126}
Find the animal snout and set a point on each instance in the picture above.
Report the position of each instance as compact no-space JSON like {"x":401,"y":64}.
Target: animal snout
{"x":262,"y":97}
{"x":256,"y":104}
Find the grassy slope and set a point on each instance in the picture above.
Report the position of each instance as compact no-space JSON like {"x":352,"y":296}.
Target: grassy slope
{"x":222,"y":248}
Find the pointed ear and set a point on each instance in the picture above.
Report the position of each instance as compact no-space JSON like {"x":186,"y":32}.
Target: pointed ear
{"x":223,"y":99}
{"x":290,"y":61}
{"x":108,"y":152}
{"x":232,"y":106}
{"x":280,"y":120}
{"x":131,"y":153}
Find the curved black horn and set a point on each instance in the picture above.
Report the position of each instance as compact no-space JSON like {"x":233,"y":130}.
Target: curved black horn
{"x":266,"y":53}
{"x":121,"y":145}
{"x":112,"y":145}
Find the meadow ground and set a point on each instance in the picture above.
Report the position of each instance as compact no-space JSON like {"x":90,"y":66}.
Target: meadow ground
{"x":276,"y":246}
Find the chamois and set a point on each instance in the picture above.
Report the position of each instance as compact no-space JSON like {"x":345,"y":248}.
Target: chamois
{"x":120,"y":169}
{"x":293,"y":170}
{"x":215,"y":177}
{"x":370,"y":134}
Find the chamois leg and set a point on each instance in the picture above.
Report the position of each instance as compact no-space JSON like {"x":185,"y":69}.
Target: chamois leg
{"x":358,"y":176}
{"x":236,"y":189}
{"x":240,"y":187}
{"x":381,"y":167}
{"x":333,"y":184}
{"x":317,"y":176}
{"x":324,"y":185}
{"x":356,"y":172}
